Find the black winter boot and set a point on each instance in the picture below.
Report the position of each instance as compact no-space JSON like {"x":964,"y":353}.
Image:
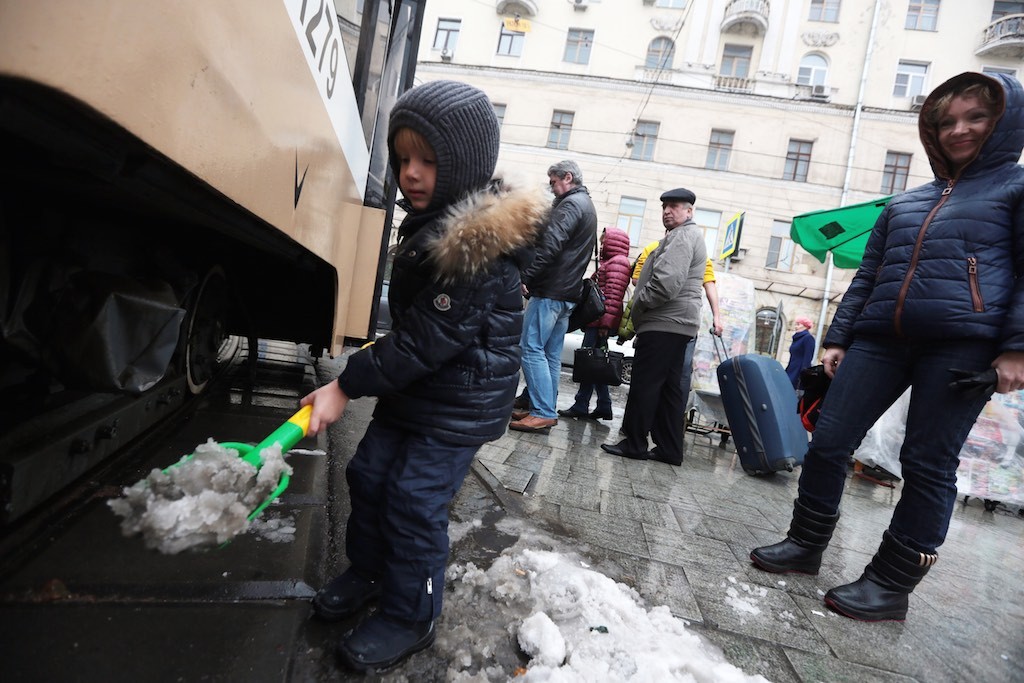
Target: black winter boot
{"x":808,"y":536}
{"x":345,"y":595}
{"x":882,"y":593}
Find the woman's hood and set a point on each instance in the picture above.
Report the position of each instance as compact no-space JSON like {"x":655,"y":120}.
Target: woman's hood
{"x":616,"y":243}
{"x":486,"y":225}
{"x":1003,"y":144}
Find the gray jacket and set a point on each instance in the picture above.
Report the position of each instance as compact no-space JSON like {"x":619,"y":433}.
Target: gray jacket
{"x":668,"y":292}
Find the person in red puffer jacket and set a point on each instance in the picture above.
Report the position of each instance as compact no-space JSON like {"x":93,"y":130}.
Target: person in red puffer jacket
{"x":613,"y":273}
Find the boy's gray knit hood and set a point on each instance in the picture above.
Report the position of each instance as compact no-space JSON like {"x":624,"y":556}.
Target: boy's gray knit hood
{"x":459,"y":123}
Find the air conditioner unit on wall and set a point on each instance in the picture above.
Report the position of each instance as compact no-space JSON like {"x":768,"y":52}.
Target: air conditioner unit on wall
{"x":579,"y":5}
{"x":917,"y":101}
{"x":820,"y":92}
{"x":446,"y":55}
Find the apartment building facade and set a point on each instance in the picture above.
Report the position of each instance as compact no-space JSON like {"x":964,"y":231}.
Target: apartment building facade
{"x":769,"y":108}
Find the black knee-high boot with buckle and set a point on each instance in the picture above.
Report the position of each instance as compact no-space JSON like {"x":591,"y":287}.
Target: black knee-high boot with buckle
{"x":808,"y":536}
{"x":882,"y":593}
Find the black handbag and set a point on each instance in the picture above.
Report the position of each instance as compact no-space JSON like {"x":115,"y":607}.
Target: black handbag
{"x":597,"y":366}
{"x":589,"y":308}
{"x":814,"y":384}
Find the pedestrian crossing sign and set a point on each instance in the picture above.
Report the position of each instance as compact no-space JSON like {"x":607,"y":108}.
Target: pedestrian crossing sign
{"x":732,"y":236}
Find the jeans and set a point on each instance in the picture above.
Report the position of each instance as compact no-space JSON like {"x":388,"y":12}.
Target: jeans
{"x":604,"y":397}
{"x":400,"y":484}
{"x":545,"y":323}
{"x":873,"y":374}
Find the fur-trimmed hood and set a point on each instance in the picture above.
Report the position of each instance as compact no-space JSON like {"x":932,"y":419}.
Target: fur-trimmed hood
{"x":473,"y":233}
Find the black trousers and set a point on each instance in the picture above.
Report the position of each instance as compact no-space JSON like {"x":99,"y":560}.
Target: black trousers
{"x":656,"y":404}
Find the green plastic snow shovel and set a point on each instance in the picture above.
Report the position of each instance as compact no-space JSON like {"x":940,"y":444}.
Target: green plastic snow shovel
{"x":287,"y":435}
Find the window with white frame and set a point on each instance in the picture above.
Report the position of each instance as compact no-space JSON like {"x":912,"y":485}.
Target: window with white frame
{"x":631,"y":218}
{"x":660,"y":53}
{"x":798,"y":160}
{"x":499,"y":111}
{"x":922,"y":15}
{"x":447,"y":36}
{"x":813,"y":70}
{"x":895,"y":172}
{"x":709,"y":222}
{"x":719,"y":150}
{"x":671,"y":4}
{"x":910,"y":79}
{"x":736,"y":60}
{"x":644,"y":136}
{"x":510,"y":43}
{"x":577,"y":45}
{"x":780,"y":247}
{"x":999,"y":69}
{"x":561,"y":127}
{"x":824,"y":10}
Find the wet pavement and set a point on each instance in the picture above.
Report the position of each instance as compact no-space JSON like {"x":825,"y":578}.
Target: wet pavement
{"x":92,"y":605}
{"x":681,"y":536}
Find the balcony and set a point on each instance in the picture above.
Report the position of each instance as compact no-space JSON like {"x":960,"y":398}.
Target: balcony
{"x":1004,"y":37}
{"x":734,"y":84}
{"x":746,"y":16}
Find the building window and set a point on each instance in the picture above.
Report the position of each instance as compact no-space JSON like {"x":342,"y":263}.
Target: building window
{"x":736,"y":60}
{"x":910,"y":78}
{"x":768,"y":329}
{"x":1001,"y":9}
{"x":709,"y":222}
{"x":780,"y":248}
{"x":813,"y":70}
{"x":447,"y":36}
{"x":897,"y":170}
{"x":510,"y":43}
{"x":499,"y":111}
{"x":631,"y":218}
{"x":671,"y":4}
{"x":999,"y":69}
{"x":798,"y":160}
{"x":561,"y":126}
{"x":824,"y":10}
{"x":577,"y":46}
{"x":719,"y":149}
{"x":660,"y":53}
{"x":922,"y":15}
{"x":644,"y":136}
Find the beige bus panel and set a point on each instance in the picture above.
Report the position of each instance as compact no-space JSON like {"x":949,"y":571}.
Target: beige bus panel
{"x":223,"y":88}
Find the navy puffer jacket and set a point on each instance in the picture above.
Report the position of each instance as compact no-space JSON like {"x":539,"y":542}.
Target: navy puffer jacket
{"x":942,"y":260}
{"x":450,"y":365}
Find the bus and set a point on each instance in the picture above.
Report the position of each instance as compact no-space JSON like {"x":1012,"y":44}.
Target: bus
{"x":176,"y":175}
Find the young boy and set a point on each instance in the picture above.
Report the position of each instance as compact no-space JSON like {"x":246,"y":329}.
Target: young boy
{"x":445,"y":376}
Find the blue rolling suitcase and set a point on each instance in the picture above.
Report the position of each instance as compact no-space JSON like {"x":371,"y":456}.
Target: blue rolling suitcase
{"x":761,"y":406}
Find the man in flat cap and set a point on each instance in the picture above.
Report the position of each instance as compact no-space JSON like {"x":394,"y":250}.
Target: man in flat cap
{"x":666,"y":316}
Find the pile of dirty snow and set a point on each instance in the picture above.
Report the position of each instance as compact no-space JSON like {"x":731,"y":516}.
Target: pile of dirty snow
{"x":574,"y":624}
{"x":204,"y":500}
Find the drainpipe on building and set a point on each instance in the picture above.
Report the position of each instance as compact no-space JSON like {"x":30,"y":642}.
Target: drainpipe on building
{"x":849,"y":171}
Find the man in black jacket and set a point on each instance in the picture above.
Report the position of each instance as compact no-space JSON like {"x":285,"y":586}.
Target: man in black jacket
{"x":553,"y":282}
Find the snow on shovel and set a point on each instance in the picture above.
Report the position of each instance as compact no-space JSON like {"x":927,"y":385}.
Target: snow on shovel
{"x":212,"y":495}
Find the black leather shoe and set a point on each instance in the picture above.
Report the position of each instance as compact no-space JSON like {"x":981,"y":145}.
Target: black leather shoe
{"x":380,"y":643}
{"x":601,"y":415}
{"x":660,"y":456}
{"x":345,"y":595}
{"x":619,"y":449}
{"x":572,"y":412}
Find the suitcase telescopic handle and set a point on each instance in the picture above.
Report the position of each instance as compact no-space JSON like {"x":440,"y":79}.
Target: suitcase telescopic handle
{"x":720,"y":350}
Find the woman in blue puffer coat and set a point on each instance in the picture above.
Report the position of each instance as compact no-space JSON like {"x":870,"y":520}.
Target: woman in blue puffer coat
{"x":938,"y":289}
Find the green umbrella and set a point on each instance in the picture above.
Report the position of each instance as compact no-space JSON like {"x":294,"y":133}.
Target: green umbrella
{"x":842,"y":231}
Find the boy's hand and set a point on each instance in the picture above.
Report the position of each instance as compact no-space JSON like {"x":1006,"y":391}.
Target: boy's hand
{"x":328,"y":402}
{"x":1010,"y":370}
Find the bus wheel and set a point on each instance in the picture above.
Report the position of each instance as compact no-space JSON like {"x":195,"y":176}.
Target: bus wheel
{"x":205,"y":330}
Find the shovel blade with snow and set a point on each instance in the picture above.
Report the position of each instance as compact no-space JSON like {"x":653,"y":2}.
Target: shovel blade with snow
{"x":286,"y":436}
